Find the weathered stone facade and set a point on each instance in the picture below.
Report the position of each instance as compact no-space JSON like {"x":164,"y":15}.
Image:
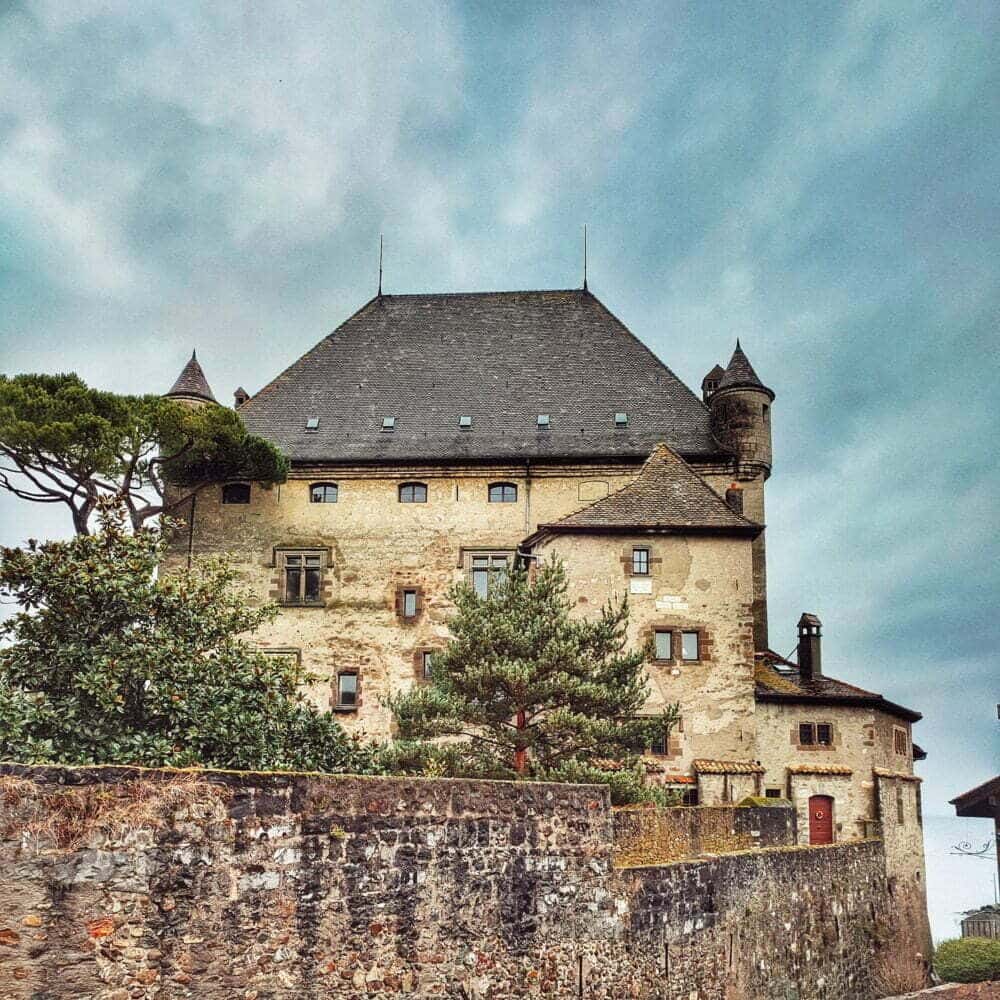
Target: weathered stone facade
{"x":171,"y":885}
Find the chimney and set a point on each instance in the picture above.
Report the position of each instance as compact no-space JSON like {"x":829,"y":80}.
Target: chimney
{"x":810,"y":636}
{"x":241,"y":396}
{"x":734,"y":497}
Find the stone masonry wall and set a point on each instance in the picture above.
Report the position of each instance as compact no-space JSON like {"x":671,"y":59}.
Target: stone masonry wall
{"x":128,"y":885}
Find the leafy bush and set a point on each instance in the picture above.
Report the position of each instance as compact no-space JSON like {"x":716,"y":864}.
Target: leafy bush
{"x":968,"y":960}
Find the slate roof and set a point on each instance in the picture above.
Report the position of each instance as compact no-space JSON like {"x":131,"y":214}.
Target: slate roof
{"x":740,"y":374}
{"x":983,"y":800}
{"x":667,"y":494}
{"x":501,"y":358}
{"x":787,"y":686}
{"x":192,"y":382}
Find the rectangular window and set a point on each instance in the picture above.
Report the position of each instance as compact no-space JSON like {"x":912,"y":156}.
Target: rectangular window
{"x":807,"y":734}
{"x":426,"y":661}
{"x":899,"y":740}
{"x":662,"y":645}
{"x":409,"y":604}
{"x":659,"y":744}
{"x":487,"y":570}
{"x":690,"y":646}
{"x":824,"y":734}
{"x":900,"y":810}
{"x":347,"y":690}
{"x":640,"y":562}
{"x":303,"y":577}
{"x":772,"y":793}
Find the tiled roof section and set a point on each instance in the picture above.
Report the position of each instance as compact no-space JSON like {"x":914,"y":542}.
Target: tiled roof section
{"x":667,"y":493}
{"x":728,"y":767}
{"x":789,"y":687}
{"x":978,"y":801}
{"x":192,"y":382}
{"x":829,"y":769}
{"x":882,"y":772}
{"x":740,"y":374}
{"x":502,"y":358}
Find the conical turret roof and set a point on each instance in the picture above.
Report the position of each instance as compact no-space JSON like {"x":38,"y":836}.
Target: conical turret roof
{"x":740,"y":374}
{"x":191,"y":383}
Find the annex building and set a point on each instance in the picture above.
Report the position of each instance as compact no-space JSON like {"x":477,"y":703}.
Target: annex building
{"x":439,"y":437}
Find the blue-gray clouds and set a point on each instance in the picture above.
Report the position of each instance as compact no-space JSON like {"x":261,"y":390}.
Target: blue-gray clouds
{"x":817,"y":179}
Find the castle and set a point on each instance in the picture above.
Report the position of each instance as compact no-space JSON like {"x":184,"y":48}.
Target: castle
{"x":439,"y":437}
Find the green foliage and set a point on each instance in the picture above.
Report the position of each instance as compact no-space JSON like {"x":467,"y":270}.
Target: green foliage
{"x":110,"y":664}
{"x":968,"y":960}
{"x":64,"y":442}
{"x":524,"y":689}
{"x":628,"y":785}
{"x":762,"y":800}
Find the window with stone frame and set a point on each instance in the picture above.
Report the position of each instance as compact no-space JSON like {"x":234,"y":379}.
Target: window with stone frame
{"x":690,"y":646}
{"x":301,"y":576}
{"x":663,"y":645}
{"x":900,"y":806}
{"x":488,"y":569}
{"x":900,"y":741}
{"x":640,"y":561}
{"x":815,"y":734}
{"x":423,"y":660}
{"x":323,"y":493}
{"x":502,"y":493}
{"x":409,"y":602}
{"x":413,"y":493}
{"x":772,"y":793}
{"x":292,"y":653}
{"x":236,"y":493}
{"x":347,"y":694}
{"x":679,"y":644}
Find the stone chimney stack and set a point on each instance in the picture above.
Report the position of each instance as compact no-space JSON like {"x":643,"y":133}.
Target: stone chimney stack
{"x":240,"y":397}
{"x":810,"y":656}
{"x":734,"y":497}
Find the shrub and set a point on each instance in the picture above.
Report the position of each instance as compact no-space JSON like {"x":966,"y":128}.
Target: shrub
{"x":968,"y":960}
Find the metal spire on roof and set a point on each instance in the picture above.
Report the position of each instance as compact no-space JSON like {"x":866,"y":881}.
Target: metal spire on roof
{"x":585,"y":257}
{"x":380,"y":265}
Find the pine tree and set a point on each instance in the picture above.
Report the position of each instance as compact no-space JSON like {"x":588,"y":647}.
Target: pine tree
{"x":523,"y":689}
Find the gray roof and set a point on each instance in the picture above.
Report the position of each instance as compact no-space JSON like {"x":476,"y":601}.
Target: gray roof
{"x":667,"y":494}
{"x":192,"y":382}
{"x":740,"y":374}
{"x":501,"y":358}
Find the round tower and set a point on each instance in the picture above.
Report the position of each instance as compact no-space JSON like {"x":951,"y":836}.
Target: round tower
{"x":191,"y":387}
{"x":741,"y":415}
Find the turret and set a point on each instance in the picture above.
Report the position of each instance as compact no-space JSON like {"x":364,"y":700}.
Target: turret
{"x":710,"y":383}
{"x":741,"y":414}
{"x":191,"y":386}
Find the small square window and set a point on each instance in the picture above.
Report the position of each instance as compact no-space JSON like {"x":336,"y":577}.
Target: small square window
{"x":347,"y":690}
{"x":690,"y":646}
{"x":807,"y":734}
{"x":772,"y":793}
{"x":502,"y":493}
{"x":824,"y":734}
{"x":388,"y":423}
{"x":409,"y":604}
{"x":640,"y":562}
{"x":413,"y":493}
{"x":323,"y":493}
{"x":312,"y":423}
{"x":543,"y":420}
{"x":621,"y":419}
{"x":662,"y":643}
{"x":465,"y":423}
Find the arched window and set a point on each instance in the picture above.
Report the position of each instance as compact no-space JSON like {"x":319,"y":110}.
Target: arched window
{"x":503,"y":493}
{"x":236,"y":493}
{"x":413,"y":493}
{"x":323,"y":493}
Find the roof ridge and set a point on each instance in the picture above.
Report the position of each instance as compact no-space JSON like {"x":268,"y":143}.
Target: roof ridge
{"x":506,"y":291}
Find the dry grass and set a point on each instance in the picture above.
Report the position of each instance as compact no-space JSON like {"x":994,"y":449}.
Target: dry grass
{"x":900,"y":967}
{"x":70,"y":817}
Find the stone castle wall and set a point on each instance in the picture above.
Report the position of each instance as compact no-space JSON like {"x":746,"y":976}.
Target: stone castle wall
{"x":133,"y":885}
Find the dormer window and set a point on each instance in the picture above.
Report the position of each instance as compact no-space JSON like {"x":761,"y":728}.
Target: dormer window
{"x":312,"y":423}
{"x":388,"y":423}
{"x":465,"y":423}
{"x":543,"y":420}
{"x":236,"y":493}
{"x":621,"y":419}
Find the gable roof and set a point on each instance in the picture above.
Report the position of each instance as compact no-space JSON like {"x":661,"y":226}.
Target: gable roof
{"x":501,"y":358}
{"x":192,"y":382}
{"x":667,"y":494}
{"x":771,"y":685}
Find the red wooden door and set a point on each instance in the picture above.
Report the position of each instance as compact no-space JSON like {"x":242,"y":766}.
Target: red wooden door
{"x":821,"y":819}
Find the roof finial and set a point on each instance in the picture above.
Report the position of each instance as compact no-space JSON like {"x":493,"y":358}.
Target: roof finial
{"x":584,"y":256}
{"x":194,"y":355}
{"x":380,"y":265}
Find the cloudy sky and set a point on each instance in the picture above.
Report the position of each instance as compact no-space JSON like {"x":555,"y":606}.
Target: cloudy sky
{"x":820,"y":180}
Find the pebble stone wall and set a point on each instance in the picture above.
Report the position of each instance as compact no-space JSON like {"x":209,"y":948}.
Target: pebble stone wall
{"x":121,"y":885}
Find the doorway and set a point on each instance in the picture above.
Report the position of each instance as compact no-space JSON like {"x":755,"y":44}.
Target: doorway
{"x":820,"y":819}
